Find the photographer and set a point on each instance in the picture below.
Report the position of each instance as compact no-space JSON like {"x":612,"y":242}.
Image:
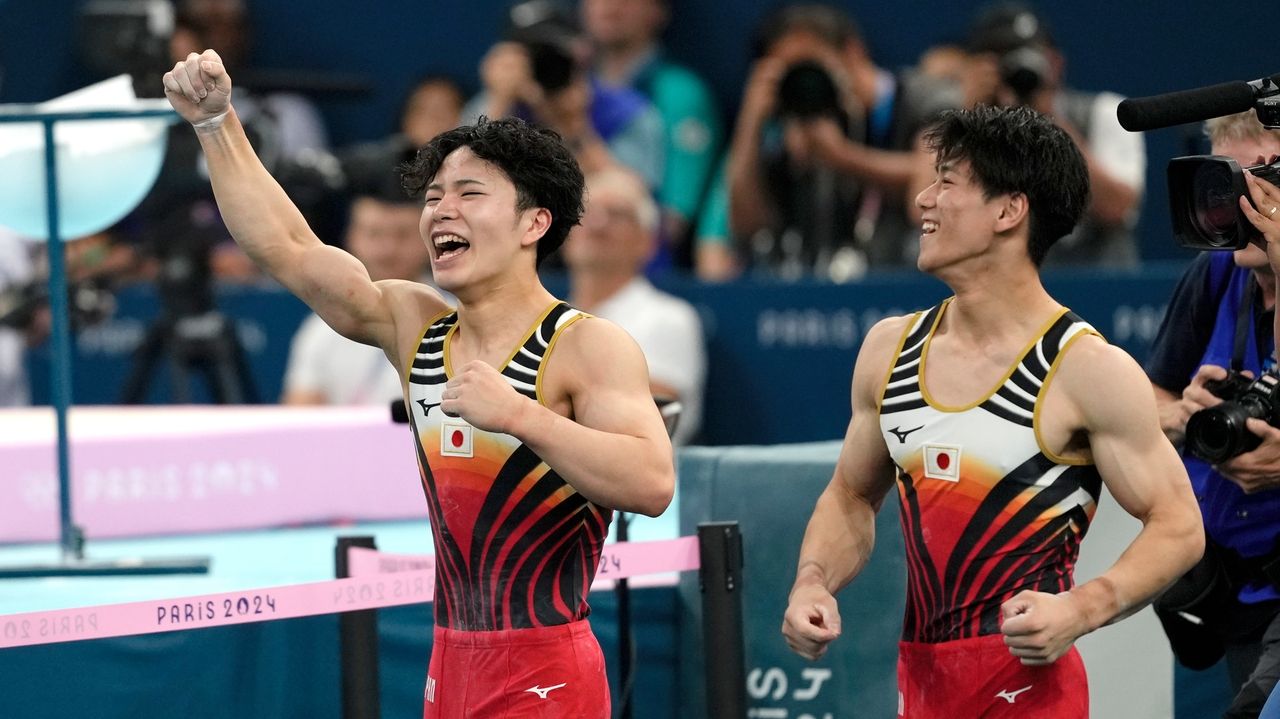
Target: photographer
{"x":823,"y":155}
{"x":540,"y":73}
{"x":1221,"y":315}
{"x":1013,"y":60}
{"x":627,"y":37}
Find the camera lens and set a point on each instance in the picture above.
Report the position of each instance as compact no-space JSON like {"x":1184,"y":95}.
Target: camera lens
{"x":807,"y":90}
{"x":1213,"y":204}
{"x":553,"y":66}
{"x":1024,"y":70}
{"x":1219,"y":433}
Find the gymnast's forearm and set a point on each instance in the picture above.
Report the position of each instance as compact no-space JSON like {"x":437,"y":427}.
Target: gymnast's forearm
{"x":256,"y":210}
{"x":838,"y":541}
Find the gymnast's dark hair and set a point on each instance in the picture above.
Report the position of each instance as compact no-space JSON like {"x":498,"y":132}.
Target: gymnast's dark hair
{"x":1018,"y":150}
{"x":535,"y":159}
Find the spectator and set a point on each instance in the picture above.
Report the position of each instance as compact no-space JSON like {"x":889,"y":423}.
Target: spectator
{"x":628,"y":53}
{"x":432,"y":106}
{"x":540,"y":73}
{"x":824,"y":150}
{"x":1014,"y":61}
{"x":295,"y":124}
{"x":178,"y":223}
{"x":605,"y":256}
{"x":715,"y":259}
{"x":327,"y":368}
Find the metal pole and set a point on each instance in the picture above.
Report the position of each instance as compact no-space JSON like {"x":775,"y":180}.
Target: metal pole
{"x":72,"y":547}
{"x":71,"y":538}
{"x":720,"y":551}
{"x":622,"y":591}
{"x":357,"y":645}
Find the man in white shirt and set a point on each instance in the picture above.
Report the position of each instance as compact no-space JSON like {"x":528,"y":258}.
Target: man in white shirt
{"x":606,"y":255}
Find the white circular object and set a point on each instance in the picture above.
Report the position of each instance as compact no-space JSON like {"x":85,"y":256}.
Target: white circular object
{"x":104,"y":167}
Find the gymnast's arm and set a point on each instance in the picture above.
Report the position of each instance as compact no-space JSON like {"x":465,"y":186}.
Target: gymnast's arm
{"x":615,"y":450}
{"x":841,"y":532}
{"x":1104,"y":394}
{"x":265,"y":222}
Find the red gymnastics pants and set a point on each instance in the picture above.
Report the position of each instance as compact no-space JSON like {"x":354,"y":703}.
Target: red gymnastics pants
{"x":979,"y":678}
{"x":540,"y":673}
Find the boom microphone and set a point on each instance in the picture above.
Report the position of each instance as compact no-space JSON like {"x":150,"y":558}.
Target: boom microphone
{"x":1176,"y":108}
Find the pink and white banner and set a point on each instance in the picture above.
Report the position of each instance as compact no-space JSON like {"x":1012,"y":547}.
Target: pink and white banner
{"x":378,"y":581}
{"x":167,"y":470}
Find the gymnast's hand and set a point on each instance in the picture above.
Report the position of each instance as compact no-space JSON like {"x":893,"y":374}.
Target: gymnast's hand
{"x":1039,"y":627}
{"x":199,"y":88}
{"x":812,"y":621}
{"x":483,"y":397}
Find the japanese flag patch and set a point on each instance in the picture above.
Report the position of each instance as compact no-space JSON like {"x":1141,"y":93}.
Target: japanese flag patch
{"x":455,"y":438}
{"x":942,"y":461}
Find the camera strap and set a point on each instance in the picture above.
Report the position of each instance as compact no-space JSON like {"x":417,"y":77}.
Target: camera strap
{"x":1243,"y":571}
{"x":1244,"y":320}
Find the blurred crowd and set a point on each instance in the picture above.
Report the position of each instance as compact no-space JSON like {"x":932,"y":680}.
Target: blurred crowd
{"x":815,"y":176}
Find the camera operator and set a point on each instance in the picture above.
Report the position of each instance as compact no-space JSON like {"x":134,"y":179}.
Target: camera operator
{"x":823,"y":154}
{"x":1014,"y":61}
{"x":1222,"y":314}
{"x":541,"y":73}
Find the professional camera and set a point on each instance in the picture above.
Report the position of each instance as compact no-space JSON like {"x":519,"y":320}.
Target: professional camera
{"x":807,"y":90}
{"x":1216,"y":434}
{"x":548,"y":34}
{"x":1024,"y":70}
{"x":1020,"y":41}
{"x":1204,"y":197}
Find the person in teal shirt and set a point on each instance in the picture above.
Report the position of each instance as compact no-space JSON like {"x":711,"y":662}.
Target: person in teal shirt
{"x":628,"y":54}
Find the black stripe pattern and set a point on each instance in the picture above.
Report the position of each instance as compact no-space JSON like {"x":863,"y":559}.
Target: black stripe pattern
{"x":518,"y":549}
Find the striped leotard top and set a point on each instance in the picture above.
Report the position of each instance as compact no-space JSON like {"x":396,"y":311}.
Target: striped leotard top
{"x":986,"y":511}
{"x":516,"y":546}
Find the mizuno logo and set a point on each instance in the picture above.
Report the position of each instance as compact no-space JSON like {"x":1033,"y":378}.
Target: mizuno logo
{"x":430,"y":693}
{"x":542,"y":691}
{"x":426,"y":408}
{"x":901,"y":434}
{"x":1012,"y":696}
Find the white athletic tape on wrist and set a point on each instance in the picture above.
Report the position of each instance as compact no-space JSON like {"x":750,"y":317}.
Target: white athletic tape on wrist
{"x":211,"y":122}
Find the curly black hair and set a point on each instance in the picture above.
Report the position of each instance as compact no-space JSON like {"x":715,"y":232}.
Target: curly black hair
{"x":1018,"y":150}
{"x":535,"y":159}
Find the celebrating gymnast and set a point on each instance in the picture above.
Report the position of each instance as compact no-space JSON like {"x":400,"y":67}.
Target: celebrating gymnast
{"x":532,"y":420}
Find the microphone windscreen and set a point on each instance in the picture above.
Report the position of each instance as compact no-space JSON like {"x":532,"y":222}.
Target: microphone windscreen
{"x":399,"y":412}
{"x":1176,"y":108}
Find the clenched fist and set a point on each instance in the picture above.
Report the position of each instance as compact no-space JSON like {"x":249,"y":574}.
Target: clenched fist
{"x":483,"y":397}
{"x":199,"y":88}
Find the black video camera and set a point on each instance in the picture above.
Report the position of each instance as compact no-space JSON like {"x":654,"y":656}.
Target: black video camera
{"x":1204,"y":197}
{"x":1216,"y":434}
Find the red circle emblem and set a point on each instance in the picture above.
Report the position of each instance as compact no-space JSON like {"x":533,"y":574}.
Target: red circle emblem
{"x":457,"y":438}
{"x":944,"y":460}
